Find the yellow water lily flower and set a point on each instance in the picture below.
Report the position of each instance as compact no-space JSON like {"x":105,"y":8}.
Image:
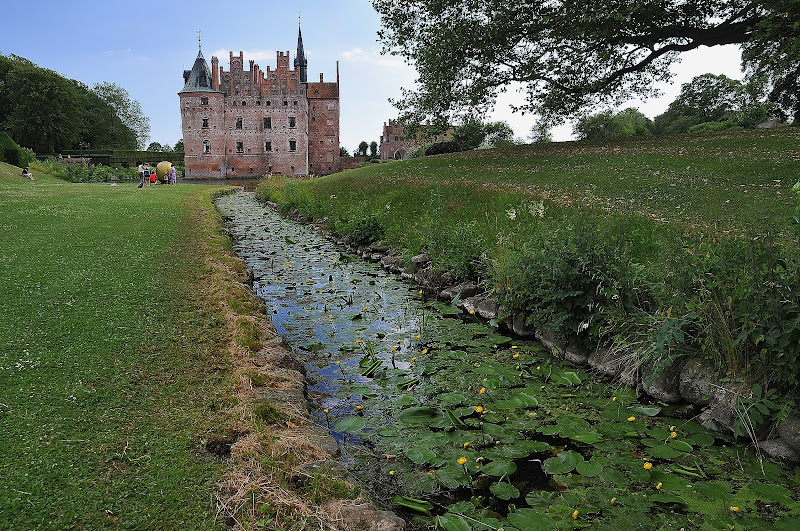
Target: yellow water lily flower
{"x":613,"y":501}
{"x":391,"y":472}
{"x":481,"y":390}
{"x":575,"y":514}
{"x":631,"y":418}
{"x":466,"y":444}
{"x":425,"y":351}
{"x":658,"y":487}
{"x":648,"y":465}
{"x":734,"y":509}
{"x":673,"y":434}
{"x":472,"y":311}
{"x":462,"y":460}
{"x":479,"y":409}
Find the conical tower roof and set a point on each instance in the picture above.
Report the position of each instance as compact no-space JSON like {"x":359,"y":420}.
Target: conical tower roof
{"x":300,"y":61}
{"x":198,"y":79}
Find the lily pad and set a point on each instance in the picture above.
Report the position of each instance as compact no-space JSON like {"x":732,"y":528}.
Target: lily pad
{"x":531,"y":519}
{"x":563,"y":463}
{"x":500,"y":468}
{"x":504,"y":491}
{"x":350,"y":424}
{"x":665,"y":451}
{"x":420,"y":455}
{"x":418,"y":415}
{"x":588,"y":468}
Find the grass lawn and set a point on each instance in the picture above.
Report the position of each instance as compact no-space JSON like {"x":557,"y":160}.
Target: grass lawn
{"x":113,"y":370}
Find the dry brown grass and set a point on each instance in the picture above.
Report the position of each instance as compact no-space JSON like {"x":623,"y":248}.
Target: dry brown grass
{"x":257,"y":483}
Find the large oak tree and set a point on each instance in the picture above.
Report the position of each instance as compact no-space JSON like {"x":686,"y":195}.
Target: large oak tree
{"x":573,"y":56}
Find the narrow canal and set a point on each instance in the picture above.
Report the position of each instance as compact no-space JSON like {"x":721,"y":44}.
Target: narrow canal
{"x":481,"y":431}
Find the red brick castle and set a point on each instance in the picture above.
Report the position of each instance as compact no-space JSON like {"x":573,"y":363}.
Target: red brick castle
{"x":248,"y":123}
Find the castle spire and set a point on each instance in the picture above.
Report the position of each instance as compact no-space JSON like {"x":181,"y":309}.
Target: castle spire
{"x":300,"y":61}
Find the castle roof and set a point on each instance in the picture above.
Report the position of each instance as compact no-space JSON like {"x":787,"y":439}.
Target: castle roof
{"x":198,"y":79}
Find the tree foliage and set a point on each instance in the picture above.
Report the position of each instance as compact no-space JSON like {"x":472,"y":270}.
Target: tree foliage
{"x":128,"y":110}
{"x":715,"y":98}
{"x":363,"y":146}
{"x":573,"y":56}
{"x":48,"y":113}
{"x":605,"y":125}
{"x":473,"y":133}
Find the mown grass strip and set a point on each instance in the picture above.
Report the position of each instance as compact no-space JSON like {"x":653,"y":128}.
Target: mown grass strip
{"x":113,"y":364}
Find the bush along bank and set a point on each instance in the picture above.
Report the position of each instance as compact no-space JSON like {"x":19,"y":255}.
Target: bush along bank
{"x":712,"y":320}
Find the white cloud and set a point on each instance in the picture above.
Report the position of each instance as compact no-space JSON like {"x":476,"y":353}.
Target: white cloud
{"x":373,"y":56}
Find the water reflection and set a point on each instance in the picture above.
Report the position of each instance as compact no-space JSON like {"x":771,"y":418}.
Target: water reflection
{"x":330,"y":308}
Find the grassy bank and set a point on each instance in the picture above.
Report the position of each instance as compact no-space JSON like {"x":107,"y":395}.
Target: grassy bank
{"x":675,"y":246}
{"x":116,"y":354}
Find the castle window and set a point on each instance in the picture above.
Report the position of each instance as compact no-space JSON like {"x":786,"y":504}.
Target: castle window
{"x":244,"y":104}
{"x":206,"y":147}
{"x":205,"y":123}
{"x":295,"y":103}
{"x":292,"y":145}
{"x":268,"y":103}
{"x":233,"y":103}
{"x":285,"y":102}
{"x":313,"y":119}
{"x":204,"y":100}
{"x":239,"y":147}
{"x":267,"y":145}
{"x":316,"y":92}
{"x":292,"y":122}
{"x":267,"y":122}
{"x":238,"y":122}
{"x":396,"y":139}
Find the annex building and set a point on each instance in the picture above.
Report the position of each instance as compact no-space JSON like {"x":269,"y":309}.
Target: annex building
{"x":249,"y":123}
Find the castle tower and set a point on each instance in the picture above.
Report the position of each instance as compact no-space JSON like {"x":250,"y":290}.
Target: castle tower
{"x":248,"y":123}
{"x":300,"y":61}
{"x":202,"y":121}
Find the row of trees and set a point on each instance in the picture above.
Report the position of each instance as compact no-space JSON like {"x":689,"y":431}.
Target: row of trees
{"x":46,"y":112}
{"x":708,"y":102}
{"x":575,"y":57}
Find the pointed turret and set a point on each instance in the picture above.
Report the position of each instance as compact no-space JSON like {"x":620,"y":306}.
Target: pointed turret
{"x":300,"y":61}
{"x":199,"y":78}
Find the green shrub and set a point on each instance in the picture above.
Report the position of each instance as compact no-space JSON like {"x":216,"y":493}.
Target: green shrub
{"x":11,"y":153}
{"x":362,"y":229}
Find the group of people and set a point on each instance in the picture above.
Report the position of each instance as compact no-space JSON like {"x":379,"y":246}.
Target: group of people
{"x":26,"y":172}
{"x":147,"y":175}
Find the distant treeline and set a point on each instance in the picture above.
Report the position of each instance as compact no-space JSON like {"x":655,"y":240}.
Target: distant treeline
{"x":48,"y":113}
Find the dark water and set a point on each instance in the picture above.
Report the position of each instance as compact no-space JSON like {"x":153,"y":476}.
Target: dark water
{"x":330,"y":307}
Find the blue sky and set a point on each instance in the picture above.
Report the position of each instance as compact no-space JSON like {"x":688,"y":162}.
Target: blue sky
{"x":144,"y":46}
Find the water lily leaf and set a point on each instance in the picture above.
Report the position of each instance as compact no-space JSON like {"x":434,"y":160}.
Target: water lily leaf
{"x":588,"y":437}
{"x":650,"y":411}
{"x":420,"y":506}
{"x":588,"y":468}
{"x":712,"y":490}
{"x":533,"y":446}
{"x":500,"y":468}
{"x":418,"y":415}
{"x":664,"y":497}
{"x":681,"y":445}
{"x":701,"y":439}
{"x":406,"y":400}
{"x":420,"y":455}
{"x":350,"y":424}
{"x":452,"y":522}
{"x":452,"y":478}
{"x":665,"y":451}
{"x":462,"y":507}
{"x":531,"y":519}
{"x":518,"y":399}
{"x":771,"y":493}
{"x":504,"y":491}
{"x":452,"y":399}
{"x":563,"y":463}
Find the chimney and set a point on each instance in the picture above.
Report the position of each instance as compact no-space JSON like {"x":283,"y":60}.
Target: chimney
{"x":214,"y":73}
{"x":320,"y":77}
